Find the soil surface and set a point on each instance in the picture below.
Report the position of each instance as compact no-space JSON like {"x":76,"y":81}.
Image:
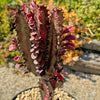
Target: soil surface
{"x":80,"y":85}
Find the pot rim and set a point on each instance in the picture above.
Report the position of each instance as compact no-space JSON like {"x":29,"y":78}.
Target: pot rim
{"x":38,"y":87}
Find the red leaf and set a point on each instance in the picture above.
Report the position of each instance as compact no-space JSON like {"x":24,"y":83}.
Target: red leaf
{"x":12,"y":47}
{"x":17,"y":58}
{"x":40,"y":11}
{"x":68,"y":29}
{"x":24,"y":5}
{"x":69,"y":37}
{"x":60,"y":77}
{"x":43,"y":36}
{"x":47,"y":26}
{"x":44,"y":32}
{"x":68,"y":45}
{"x":14,"y":41}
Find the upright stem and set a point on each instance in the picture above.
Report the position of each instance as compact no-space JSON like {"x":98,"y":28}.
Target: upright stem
{"x":46,"y":89}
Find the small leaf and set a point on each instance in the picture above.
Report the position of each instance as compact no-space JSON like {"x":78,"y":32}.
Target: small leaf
{"x":17,"y":58}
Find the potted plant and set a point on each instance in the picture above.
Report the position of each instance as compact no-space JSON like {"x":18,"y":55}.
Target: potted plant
{"x":39,"y":32}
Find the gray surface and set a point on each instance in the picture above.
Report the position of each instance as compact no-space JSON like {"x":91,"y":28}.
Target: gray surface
{"x":94,"y":45}
{"x":91,"y":58}
{"x":88,"y":62}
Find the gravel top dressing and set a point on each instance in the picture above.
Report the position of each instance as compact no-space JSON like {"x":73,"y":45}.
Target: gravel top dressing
{"x":34,"y":94}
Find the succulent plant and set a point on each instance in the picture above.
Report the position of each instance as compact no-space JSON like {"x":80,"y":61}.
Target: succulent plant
{"x":39,"y":32}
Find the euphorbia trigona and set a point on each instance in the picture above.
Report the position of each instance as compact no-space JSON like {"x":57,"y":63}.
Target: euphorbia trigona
{"x":39,"y":38}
